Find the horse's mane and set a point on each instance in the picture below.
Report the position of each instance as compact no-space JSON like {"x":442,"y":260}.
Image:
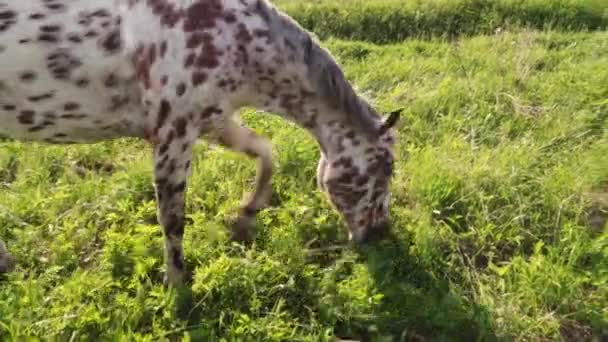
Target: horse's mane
{"x":323,"y":70}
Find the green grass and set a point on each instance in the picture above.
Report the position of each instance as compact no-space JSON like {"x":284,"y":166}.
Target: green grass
{"x":385,"y":21}
{"x":500,"y":206}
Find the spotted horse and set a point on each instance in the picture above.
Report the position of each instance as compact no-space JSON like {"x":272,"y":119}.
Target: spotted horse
{"x":174,"y":71}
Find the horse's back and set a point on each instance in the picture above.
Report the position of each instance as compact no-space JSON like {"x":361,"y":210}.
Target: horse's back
{"x":64,"y":76}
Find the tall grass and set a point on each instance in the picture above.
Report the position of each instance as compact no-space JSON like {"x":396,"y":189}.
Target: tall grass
{"x":383,"y":21}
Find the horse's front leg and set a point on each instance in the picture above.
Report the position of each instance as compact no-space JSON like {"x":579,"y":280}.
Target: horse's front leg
{"x":244,"y":140}
{"x":172,"y":159}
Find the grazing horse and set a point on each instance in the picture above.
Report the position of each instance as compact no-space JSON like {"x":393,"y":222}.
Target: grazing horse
{"x":174,"y":71}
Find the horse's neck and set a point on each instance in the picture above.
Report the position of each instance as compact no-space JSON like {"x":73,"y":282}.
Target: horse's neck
{"x":290,"y":78}
{"x":337,"y":136}
{"x":334,"y":131}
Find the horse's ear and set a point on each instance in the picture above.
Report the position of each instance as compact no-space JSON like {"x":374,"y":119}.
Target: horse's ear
{"x":390,"y":121}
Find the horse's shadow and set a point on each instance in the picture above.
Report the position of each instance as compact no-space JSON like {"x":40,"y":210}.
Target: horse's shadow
{"x":416,"y":305}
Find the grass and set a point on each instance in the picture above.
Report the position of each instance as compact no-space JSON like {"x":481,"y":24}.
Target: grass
{"x":500,"y":206}
{"x":387,"y":21}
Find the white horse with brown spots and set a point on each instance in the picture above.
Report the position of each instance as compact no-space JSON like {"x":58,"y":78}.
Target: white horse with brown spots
{"x":172,"y":71}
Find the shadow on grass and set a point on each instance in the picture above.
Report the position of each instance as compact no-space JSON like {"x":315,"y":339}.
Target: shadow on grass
{"x":416,"y":305}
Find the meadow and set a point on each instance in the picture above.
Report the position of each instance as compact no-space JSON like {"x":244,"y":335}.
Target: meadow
{"x":500,"y":200}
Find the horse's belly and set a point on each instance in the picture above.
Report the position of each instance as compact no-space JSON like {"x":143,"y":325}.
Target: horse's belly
{"x":58,"y":112}
{"x":97,"y":107}
{"x":64,"y":77}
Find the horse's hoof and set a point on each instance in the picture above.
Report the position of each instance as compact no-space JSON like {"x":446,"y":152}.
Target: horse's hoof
{"x":178,"y":281}
{"x":358,"y":238}
{"x":243,"y":229}
{"x":366,"y":236}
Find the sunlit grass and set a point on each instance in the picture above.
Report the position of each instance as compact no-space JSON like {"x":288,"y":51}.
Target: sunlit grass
{"x":499,"y":215}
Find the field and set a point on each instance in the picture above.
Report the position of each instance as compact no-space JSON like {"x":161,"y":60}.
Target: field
{"x":500,"y":200}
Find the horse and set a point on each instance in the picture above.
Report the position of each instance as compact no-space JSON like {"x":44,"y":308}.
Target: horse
{"x":175,"y":71}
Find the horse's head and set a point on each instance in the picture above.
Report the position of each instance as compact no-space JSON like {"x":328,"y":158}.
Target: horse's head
{"x":356,"y":162}
{"x":357,"y":178}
